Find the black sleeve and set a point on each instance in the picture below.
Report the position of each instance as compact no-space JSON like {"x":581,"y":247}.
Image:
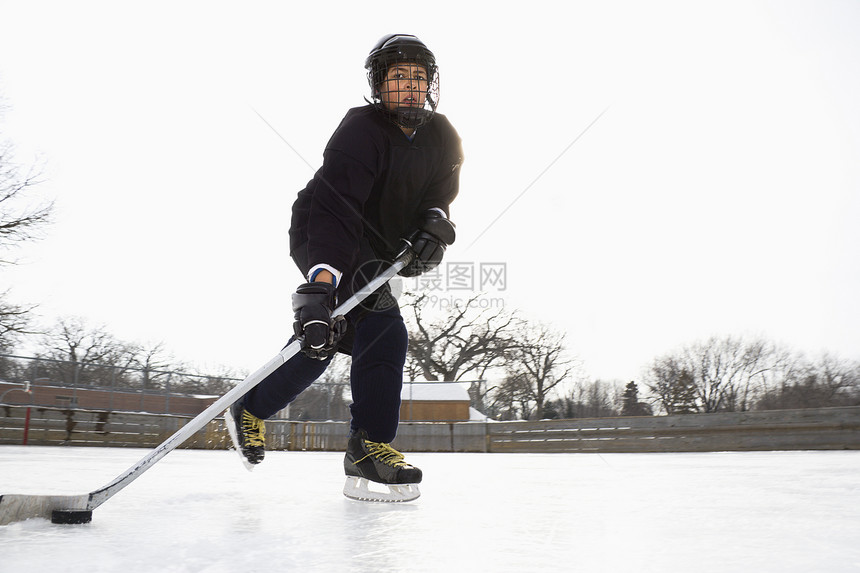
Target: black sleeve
{"x":335,"y":219}
{"x":351,"y":164}
{"x":445,"y":186}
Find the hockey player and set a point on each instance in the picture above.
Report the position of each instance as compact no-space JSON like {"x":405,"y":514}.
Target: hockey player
{"x":389,"y":174}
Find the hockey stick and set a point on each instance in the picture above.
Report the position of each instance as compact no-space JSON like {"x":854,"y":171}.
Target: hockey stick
{"x":79,"y":508}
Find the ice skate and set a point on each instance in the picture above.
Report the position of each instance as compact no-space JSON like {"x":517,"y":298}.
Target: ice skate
{"x":248,"y":434}
{"x":376,"y":472}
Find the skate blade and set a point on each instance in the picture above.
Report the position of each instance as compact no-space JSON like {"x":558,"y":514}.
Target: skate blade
{"x":361,"y":489}
{"x":234,"y":437}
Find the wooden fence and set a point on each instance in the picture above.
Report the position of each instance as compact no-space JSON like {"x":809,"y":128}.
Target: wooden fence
{"x":74,"y":427}
{"x":811,"y":429}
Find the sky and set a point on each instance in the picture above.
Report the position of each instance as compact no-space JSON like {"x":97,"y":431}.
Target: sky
{"x":647,"y":174}
{"x":200,"y":510}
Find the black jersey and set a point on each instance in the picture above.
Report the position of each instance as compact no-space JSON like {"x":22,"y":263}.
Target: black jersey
{"x":372,"y":187}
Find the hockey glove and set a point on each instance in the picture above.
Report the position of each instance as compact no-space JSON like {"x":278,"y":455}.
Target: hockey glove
{"x":315,"y":327}
{"x":428,"y":243}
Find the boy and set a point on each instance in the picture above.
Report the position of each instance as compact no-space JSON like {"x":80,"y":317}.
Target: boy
{"x":389,"y":174}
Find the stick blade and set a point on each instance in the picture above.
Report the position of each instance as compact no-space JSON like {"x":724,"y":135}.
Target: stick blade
{"x":14,"y":508}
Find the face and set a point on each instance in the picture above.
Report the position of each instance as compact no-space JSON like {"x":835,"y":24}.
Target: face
{"x":405,"y":85}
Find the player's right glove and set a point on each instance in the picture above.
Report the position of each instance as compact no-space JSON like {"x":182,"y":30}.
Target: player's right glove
{"x":315,"y":327}
{"x":428,"y":242}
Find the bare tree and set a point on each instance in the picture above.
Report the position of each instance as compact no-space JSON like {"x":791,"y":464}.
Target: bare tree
{"x":460,"y":343}
{"x":506,"y":402}
{"x":75,"y":354}
{"x":672,"y":386}
{"x":537,"y":365}
{"x":82,"y":355}
{"x":212,"y":384}
{"x":468,"y":342}
{"x":20,"y":222}
{"x":590,"y":399}
{"x":839,"y":379}
{"x":724,"y":374}
{"x":10,"y":368}
{"x":156,"y":368}
{"x":827,"y":381}
{"x":14,"y":320}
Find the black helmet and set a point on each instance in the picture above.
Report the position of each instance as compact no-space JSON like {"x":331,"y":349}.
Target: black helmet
{"x":407,"y":49}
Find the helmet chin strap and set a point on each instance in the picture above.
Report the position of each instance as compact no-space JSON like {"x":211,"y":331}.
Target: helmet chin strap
{"x":408,"y":117}
{"x":411,"y":117}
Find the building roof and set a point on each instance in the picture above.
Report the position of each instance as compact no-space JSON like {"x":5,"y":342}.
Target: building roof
{"x":434,"y":392}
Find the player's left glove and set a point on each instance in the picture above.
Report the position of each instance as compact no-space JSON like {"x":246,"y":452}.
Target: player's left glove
{"x":428,"y":242}
{"x":315,"y":327}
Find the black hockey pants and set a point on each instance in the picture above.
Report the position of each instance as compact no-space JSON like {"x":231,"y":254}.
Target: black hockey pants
{"x":379,"y":342}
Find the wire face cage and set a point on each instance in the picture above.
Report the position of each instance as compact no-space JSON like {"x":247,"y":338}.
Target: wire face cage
{"x":404,"y":80}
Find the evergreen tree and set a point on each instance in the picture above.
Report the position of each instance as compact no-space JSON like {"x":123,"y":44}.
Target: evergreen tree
{"x":630,"y":404}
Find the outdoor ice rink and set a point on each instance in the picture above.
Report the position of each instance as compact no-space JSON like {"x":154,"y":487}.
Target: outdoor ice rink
{"x":201,"y":511}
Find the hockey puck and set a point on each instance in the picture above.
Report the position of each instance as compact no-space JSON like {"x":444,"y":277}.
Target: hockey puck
{"x":71,"y":516}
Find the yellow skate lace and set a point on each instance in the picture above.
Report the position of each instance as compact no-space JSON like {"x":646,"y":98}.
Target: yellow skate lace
{"x":385,"y":454}
{"x":254,"y":429}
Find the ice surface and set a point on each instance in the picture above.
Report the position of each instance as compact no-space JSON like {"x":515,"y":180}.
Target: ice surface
{"x":201,"y":511}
